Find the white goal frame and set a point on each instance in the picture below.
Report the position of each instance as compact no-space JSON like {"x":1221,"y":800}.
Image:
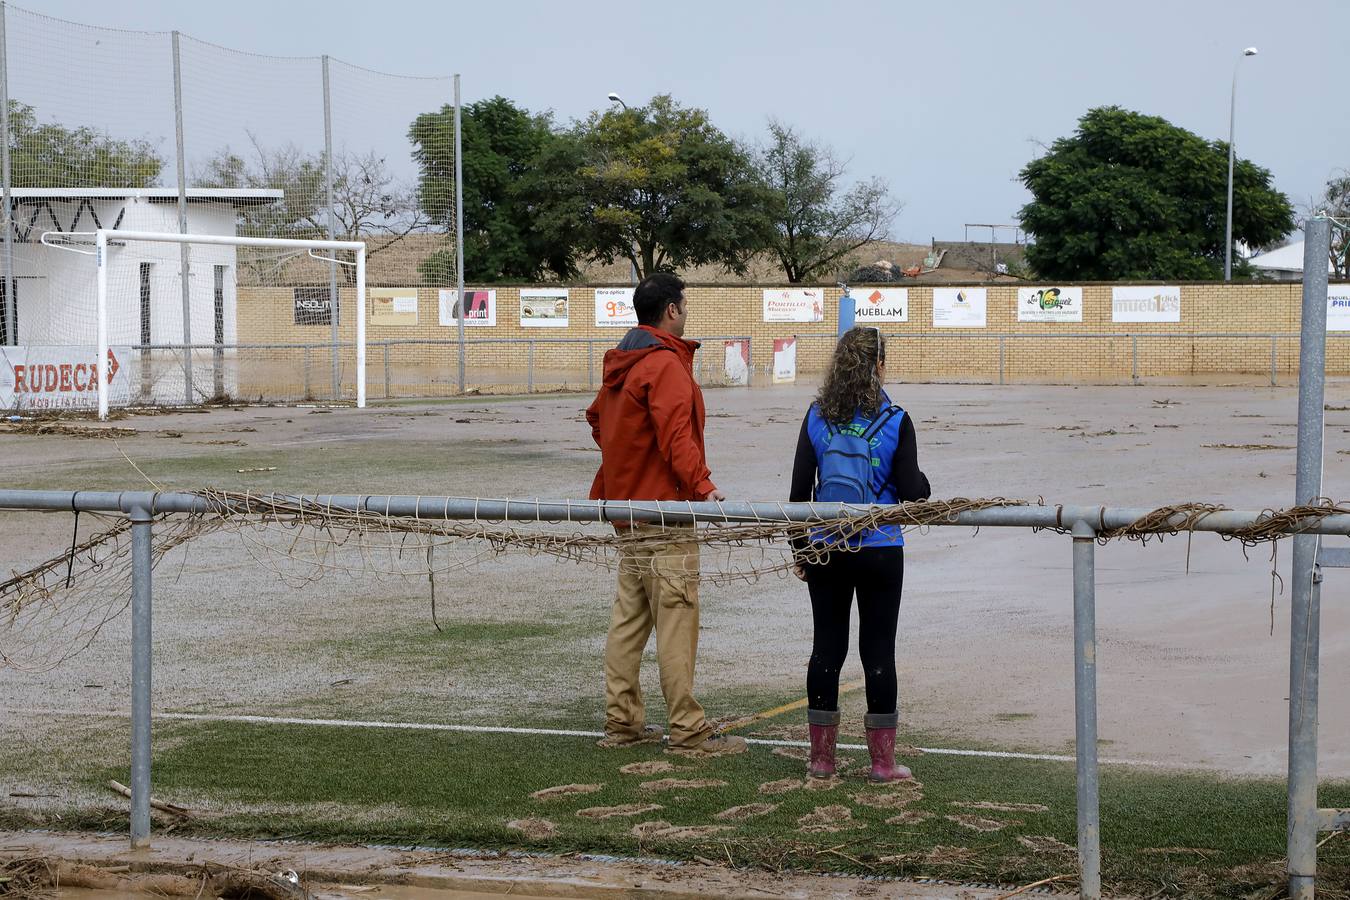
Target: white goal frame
{"x":104,"y":235}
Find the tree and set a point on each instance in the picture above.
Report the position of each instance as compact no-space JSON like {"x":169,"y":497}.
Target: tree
{"x":1133,"y":196}
{"x":814,"y":225}
{"x":53,"y":156}
{"x":509,"y":231}
{"x":367,"y":199}
{"x":1335,"y":201}
{"x":662,"y":187}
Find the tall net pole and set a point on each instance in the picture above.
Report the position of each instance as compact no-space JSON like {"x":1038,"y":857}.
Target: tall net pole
{"x":459,"y":236}
{"x":9,"y":311}
{"x":328,"y":192}
{"x":185,"y":261}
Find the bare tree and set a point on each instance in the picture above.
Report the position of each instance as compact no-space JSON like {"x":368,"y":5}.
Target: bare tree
{"x":368,"y":201}
{"x":817,"y":226}
{"x":1335,"y":202}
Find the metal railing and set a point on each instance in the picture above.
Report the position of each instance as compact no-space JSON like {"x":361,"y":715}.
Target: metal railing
{"x":1083,"y":523}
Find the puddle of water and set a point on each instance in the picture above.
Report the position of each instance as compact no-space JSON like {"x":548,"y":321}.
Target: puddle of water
{"x":325,"y":892}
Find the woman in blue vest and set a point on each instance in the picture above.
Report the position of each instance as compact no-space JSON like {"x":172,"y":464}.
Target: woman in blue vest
{"x":855,"y":446}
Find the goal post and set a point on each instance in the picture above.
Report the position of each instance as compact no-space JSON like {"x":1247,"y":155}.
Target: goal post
{"x":105,"y":239}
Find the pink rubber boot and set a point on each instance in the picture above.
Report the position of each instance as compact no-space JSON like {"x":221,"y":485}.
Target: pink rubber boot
{"x":824,"y":728}
{"x":881,"y":746}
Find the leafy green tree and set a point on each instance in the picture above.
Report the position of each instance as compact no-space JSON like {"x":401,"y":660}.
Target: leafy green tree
{"x":816,"y":226}
{"x":54,"y":156}
{"x":510,"y":232}
{"x":661,"y":186}
{"x":1130,"y":196}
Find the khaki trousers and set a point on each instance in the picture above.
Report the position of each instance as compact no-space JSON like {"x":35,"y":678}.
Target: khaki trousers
{"x":658,"y":590}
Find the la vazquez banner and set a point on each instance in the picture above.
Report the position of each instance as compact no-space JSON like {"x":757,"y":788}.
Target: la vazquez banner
{"x":1050,"y":304}
{"x":59,"y":377}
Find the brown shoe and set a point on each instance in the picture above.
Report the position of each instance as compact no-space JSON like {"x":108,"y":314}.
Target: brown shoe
{"x":717,"y":745}
{"x":651,"y":734}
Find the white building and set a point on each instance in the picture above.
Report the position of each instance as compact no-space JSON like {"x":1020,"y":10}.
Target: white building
{"x":56,"y":293}
{"x":1284,"y":263}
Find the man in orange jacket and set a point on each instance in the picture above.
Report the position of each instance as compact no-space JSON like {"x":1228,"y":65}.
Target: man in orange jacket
{"x":647,"y":420}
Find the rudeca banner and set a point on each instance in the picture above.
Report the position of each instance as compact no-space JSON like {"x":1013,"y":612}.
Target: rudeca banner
{"x":958,"y":307}
{"x":480,"y":310}
{"x":874,"y":305}
{"x":393,"y":306}
{"x":1338,"y":307}
{"x":1145,"y":304}
{"x":737,"y":365}
{"x":60,"y":377}
{"x":794,"y":305}
{"x":784,"y":360}
{"x":614,"y":308}
{"x":1050,"y":304}
{"x":543,"y":307}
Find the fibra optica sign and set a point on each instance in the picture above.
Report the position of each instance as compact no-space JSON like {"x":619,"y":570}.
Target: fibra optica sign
{"x":56,"y":378}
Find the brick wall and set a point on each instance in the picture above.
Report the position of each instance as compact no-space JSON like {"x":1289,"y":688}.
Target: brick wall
{"x":1008,"y":348}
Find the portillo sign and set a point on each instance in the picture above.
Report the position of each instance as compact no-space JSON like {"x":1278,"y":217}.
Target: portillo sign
{"x":56,"y":378}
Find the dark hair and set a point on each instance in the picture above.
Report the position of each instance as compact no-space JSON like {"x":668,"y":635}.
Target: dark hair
{"x":851,"y":383}
{"x":654,"y":294}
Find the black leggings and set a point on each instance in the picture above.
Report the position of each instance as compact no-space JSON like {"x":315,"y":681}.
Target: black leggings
{"x":876,"y":575}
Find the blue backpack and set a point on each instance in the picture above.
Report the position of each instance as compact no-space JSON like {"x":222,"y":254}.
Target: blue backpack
{"x":845,"y":468}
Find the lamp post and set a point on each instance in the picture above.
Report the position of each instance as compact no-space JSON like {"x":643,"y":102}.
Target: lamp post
{"x":632,"y":263}
{"x":1228,"y":221}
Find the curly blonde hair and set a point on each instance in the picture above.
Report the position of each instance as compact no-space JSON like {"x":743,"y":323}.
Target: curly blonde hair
{"x":852,"y":383}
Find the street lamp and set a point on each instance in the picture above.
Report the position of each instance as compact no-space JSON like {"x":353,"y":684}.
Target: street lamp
{"x":615,"y":98}
{"x":1232,"y":118}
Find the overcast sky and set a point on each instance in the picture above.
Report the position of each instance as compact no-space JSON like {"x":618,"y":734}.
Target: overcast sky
{"x":945,"y":101}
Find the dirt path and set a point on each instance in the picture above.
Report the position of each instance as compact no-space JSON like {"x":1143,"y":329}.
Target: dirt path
{"x":106,"y":864}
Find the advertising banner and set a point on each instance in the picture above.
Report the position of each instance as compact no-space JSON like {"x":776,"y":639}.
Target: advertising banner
{"x":1145,"y":304}
{"x":393,"y":306}
{"x":480,"y":311}
{"x":614,"y":308}
{"x":794,"y":305}
{"x":1050,"y":304}
{"x":784,"y":360}
{"x":875,"y":305}
{"x":60,"y":377}
{"x":543,"y":307}
{"x":959,"y":307}
{"x":737,"y":362}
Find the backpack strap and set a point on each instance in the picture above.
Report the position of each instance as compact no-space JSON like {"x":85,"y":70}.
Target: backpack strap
{"x":880,"y":422}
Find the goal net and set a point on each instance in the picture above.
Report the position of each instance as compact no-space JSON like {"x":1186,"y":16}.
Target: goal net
{"x":185,"y":319}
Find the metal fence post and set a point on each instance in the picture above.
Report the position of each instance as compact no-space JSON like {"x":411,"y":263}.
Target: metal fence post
{"x":590,"y":364}
{"x":459,"y":237}
{"x":9,"y":312}
{"x":1002,"y":350}
{"x":1274,"y":351}
{"x":1304,"y":611}
{"x":334,"y":298}
{"x":141,"y":513}
{"x":185,"y":253}
{"x":529,"y":368}
{"x":1134,"y":358}
{"x":387,"y":393}
{"x":308,"y":393}
{"x":1085,"y":709}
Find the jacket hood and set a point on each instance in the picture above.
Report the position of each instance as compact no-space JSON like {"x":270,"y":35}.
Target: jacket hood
{"x":636,"y":344}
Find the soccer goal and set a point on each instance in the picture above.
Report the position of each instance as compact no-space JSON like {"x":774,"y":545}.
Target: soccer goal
{"x":188,"y":318}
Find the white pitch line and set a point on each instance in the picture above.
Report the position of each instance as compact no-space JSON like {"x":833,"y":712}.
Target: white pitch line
{"x":553,"y":732}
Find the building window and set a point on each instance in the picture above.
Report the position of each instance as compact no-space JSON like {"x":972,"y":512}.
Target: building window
{"x":145,"y":303}
{"x":9,"y":312}
{"x":220,"y":304}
